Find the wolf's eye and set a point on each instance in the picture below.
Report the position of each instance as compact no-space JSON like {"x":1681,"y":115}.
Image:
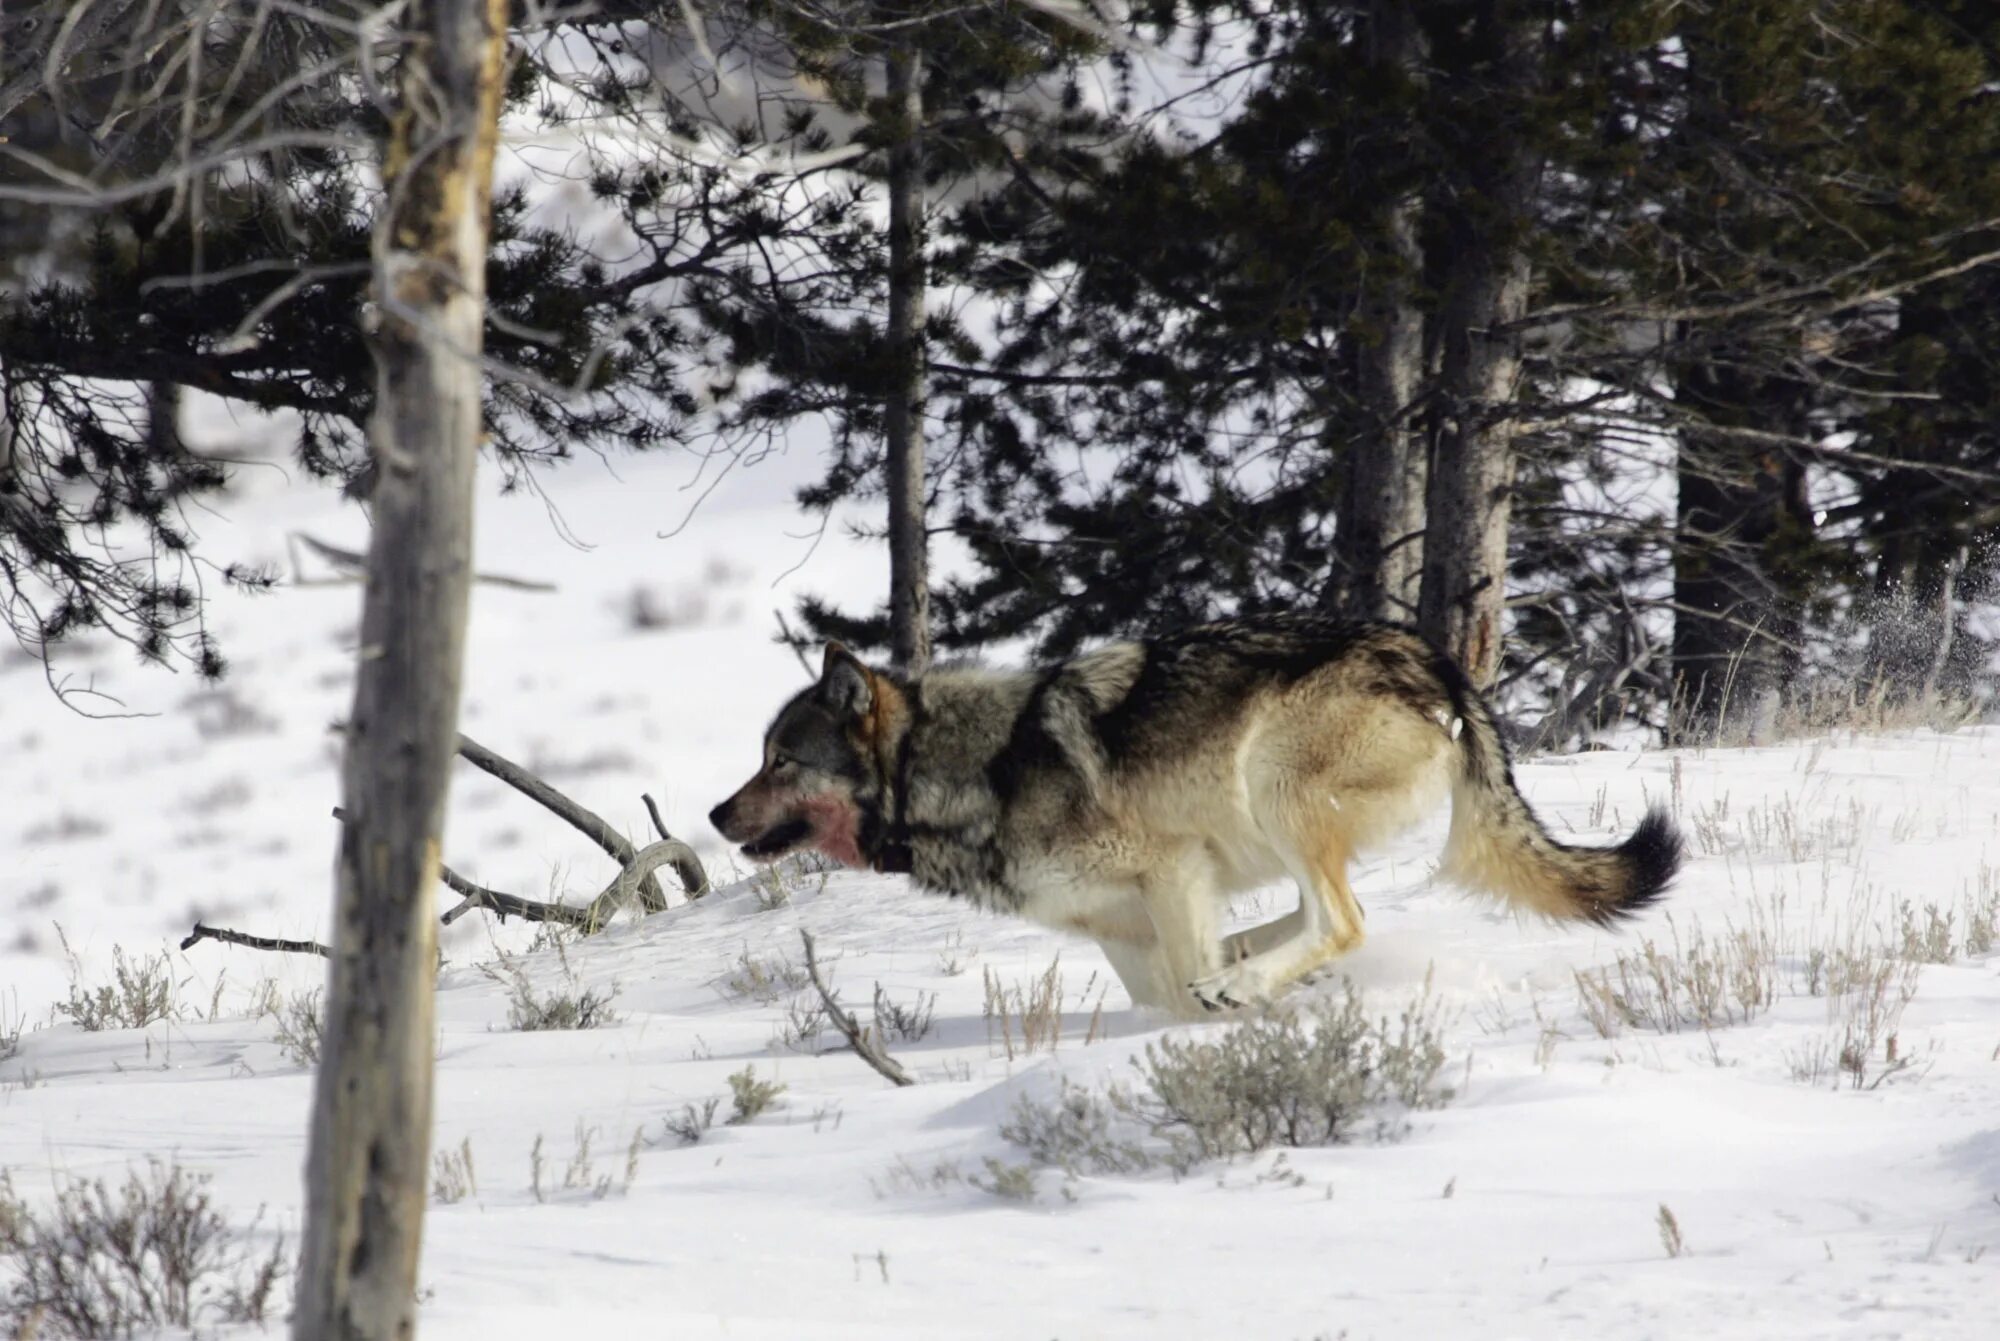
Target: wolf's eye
{"x":783,"y":767}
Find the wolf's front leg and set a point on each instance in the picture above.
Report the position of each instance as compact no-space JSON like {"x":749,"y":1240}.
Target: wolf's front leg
{"x":1148,"y":979}
{"x":1180,"y":900}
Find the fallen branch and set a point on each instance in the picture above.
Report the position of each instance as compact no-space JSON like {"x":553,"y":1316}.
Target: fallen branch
{"x":353,"y":565}
{"x":688,"y":869}
{"x":585,"y":821}
{"x":863,"y":1040}
{"x":589,"y":917}
{"x":504,"y":904}
{"x":203,"y":932}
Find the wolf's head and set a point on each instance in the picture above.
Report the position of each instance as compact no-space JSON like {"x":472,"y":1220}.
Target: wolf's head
{"x":822,"y":779}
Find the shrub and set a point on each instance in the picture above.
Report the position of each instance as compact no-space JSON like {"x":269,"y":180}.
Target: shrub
{"x":750,"y":1096}
{"x":140,"y":992}
{"x":1084,"y":1131}
{"x":154,"y":1253}
{"x":1276,"y":1081}
{"x":571,"y":1006}
{"x":298,"y":1020}
{"x":692,"y":1122}
{"x":909,"y":1023}
{"x":1308,"y":1074}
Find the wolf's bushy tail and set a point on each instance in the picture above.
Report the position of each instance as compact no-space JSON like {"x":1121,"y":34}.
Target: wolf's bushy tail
{"x":1499,"y":847}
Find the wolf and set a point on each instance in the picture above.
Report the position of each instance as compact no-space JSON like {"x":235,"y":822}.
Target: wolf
{"x":1127,"y":792}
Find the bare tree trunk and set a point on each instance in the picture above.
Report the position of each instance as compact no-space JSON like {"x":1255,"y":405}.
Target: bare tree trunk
{"x":903,"y":417}
{"x":1470,"y":498}
{"x":1378,"y":543}
{"x":163,"y":419}
{"x":369,"y":1156}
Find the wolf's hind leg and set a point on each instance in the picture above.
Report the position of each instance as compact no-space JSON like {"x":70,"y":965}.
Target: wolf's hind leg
{"x":1327,"y":923}
{"x":1265,"y":936}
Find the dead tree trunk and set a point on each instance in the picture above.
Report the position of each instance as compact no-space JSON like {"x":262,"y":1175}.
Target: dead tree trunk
{"x":1469,"y":501}
{"x":903,"y":416}
{"x":1378,"y":543}
{"x":369,"y":1155}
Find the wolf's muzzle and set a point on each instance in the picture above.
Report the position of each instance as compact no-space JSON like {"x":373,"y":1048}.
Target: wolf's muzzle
{"x":778,"y":840}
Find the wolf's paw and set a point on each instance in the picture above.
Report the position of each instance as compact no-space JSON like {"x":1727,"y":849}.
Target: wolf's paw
{"x":1233,"y":988}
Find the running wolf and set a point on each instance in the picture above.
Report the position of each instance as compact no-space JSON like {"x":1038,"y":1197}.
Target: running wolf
{"x":1125,"y":793}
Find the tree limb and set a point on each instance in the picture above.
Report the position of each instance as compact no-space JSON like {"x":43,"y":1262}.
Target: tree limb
{"x":688,"y":868}
{"x":587,"y":822}
{"x":865,"y":1042}
{"x":593,"y":916}
{"x":353,"y":564}
{"x":203,"y":932}
{"x":590,"y":917}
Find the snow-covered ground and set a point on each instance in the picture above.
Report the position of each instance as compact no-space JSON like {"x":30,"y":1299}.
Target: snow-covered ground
{"x":1528,"y":1207}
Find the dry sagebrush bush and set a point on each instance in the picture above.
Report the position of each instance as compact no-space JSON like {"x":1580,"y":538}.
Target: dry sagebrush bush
{"x":151,"y":1253}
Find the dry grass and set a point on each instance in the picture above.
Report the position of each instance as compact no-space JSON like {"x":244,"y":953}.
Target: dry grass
{"x":579,"y":1175}
{"x":774,"y":886}
{"x":1861,"y":1047}
{"x":1025,"y":1019}
{"x":1820,"y":706}
{"x":453,"y":1177}
{"x":1694,"y":983}
{"x":763,"y":978}
{"x":1670,"y":1231}
{"x":1864,"y":964}
{"x":298,"y":1019}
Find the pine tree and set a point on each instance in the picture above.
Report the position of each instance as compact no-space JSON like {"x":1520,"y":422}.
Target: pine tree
{"x":884,"y":109}
{"x":227,"y":253}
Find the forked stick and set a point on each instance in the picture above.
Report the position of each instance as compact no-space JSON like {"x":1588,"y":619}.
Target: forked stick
{"x":865,"y":1042}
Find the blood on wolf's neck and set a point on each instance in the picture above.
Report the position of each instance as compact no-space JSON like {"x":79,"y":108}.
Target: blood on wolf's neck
{"x":836,"y":829}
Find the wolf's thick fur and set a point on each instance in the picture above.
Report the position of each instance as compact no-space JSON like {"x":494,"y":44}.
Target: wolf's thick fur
{"x":1127,"y":792}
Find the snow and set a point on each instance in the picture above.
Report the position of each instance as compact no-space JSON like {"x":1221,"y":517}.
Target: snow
{"x":1526,"y":1208}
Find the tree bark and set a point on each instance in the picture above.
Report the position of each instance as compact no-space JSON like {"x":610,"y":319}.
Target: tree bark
{"x":903,"y":416}
{"x":368,"y":1159}
{"x":1486,"y":274}
{"x":163,"y":420}
{"x":1378,"y":541}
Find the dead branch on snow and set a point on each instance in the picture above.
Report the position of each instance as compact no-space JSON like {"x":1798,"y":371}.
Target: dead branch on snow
{"x":863,"y":1039}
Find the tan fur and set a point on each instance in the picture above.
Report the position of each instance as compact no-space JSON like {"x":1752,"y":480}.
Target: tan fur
{"x":1126,"y":794}
{"x":1311,"y":775}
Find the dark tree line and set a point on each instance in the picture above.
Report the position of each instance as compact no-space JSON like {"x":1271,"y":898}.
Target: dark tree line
{"x":1639,"y":352}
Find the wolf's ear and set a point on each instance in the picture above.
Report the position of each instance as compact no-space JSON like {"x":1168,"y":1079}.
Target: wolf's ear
{"x":845,"y":685}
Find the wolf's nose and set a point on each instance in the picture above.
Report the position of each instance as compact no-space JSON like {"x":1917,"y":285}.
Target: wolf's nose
{"x":719,"y":817}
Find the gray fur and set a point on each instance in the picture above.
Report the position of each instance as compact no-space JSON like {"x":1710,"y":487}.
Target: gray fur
{"x":1126,"y":792}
